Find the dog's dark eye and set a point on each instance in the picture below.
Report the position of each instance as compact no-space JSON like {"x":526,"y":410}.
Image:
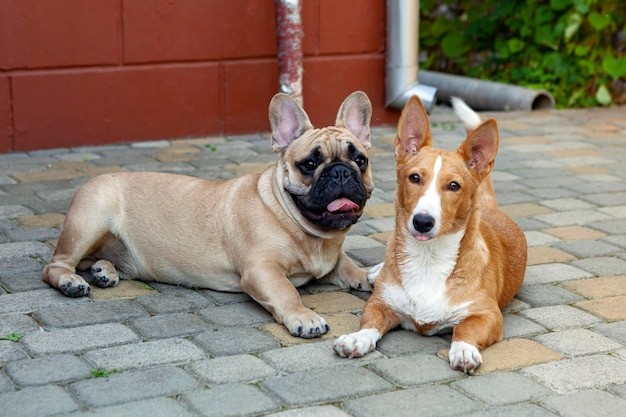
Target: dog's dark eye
{"x":454,"y":186}
{"x":307,"y":166}
{"x":361,"y":161}
{"x":415,"y":178}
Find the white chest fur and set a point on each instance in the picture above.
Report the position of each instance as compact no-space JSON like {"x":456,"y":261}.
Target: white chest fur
{"x":422,"y":299}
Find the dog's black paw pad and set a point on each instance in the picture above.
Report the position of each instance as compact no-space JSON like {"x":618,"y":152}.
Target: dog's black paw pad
{"x":75,"y":290}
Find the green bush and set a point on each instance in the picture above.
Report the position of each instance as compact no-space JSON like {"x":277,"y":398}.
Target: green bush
{"x":572,"y":48}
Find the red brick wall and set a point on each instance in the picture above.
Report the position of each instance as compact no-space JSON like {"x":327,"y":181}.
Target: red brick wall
{"x":75,"y":72}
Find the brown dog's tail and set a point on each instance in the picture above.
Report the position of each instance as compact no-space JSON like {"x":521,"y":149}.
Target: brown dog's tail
{"x":471,"y":120}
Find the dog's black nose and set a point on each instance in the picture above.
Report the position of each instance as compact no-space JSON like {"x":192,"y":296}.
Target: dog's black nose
{"x":423,"y":223}
{"x":339,"y":172}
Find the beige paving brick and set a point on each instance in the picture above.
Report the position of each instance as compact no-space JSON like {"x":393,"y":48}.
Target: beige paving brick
{"x":177,"y":153}
{"x":598,"y":287}
{"x":340,"y":323}
{"x":574,"y":233}
{"x":49,"y":175}
{"x":567,"y":153}
{"x":526,"y":140}
{"x":382,"y":237}
{"x":42,"y":220}
{"x":380,"y":210}
{"x":526,"y":209}
{"x":544,"y":255}
{"x":93,"y":171}
{"x":247,"y":168}
{"x":512,"y":354}
{"x":610,"y":308}
{"x":588,"y":169}
{"x":333,"y":302}
{"x":124,"y":290}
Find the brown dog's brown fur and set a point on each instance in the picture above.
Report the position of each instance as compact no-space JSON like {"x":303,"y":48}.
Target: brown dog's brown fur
{"x":490,"y":264}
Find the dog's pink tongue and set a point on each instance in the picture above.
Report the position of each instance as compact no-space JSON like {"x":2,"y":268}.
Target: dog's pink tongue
{"x":341,"y":204}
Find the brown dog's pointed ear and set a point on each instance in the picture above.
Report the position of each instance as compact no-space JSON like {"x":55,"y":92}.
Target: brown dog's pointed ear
{"x":413,"y":129}
{"x":288,"y":121}
{"x":355,"y":114}
{"x":480,"y":148}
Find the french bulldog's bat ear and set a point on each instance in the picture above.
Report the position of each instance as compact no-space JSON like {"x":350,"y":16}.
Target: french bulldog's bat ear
{"x":413,"y":129}
{"x":355,"y":114}
{"x":287,"y":120}
{"x":480,"y":148}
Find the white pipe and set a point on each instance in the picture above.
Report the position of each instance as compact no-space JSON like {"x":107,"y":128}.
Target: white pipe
{"x":401,"y":67}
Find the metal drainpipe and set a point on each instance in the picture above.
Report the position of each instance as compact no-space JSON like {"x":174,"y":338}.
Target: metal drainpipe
{"x":401,"y":68}
{"x":289,"y":35}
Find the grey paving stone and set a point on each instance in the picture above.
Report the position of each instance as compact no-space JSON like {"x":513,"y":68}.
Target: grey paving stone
{"x":615,"y":331}
{"x":47,"y":370}
{"x":17,"y":323}
{"x":515,"y":410}
{"x":41,"y":234}
{"x":24,"y":281}
{"x":322,"y":385}
{"x":403,"y":342}
{"x":587,"y":248}
{"x":585,"y":372}
{"x":551,"y":192}
{"x":222,"y":298}
{"x":560,"y":317}
{"x":169,"y":325}
{"x":230,"y":400}
{"x":412,"y":370}
{"x":175,"y":300}
{"x":566,"y":204}
{"x":36,"y":402}
{"x":5,"y":384}
{"x":547,"y":295}
{"x":515,"y":326}
{"x":85,"y":314}
{"x":488,"y":388}
{"x":551,"y":273}
{"x":577,"y":342}
{"x":311,"y":356}
{"x":385,"y":224}
{"x":617,"y":240}
{"x":20,"y":265}
{"x":367,"y":256}
{"x":590,"y":403}
{"x":619,"y":390}
{"x":573,"y":217}
{"x":27,"y":302}
{"x":528,"y":224}
{"x":602,"y":266}
{"x":606,"y":199}
{"x":138,"y":355}
{"x":537,"y":238}
{"x":235,"y":340}
{"x":231,"y":369}
{"x":316,"y":411}
{"x":434,"y":401}
{"x":78,"y":339}
{"x":243,"y":314}
{"x":360,"y":242}
{"x":21,"y":249}
{"x":14,"y":211}
{"x":515,"y":306}
{"x":134,"y":386}
{"x":157,"y":407}
{"x":11,"y":351}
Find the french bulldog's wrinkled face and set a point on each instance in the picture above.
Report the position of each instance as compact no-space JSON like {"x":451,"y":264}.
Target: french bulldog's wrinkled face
{"x":326,"y":171}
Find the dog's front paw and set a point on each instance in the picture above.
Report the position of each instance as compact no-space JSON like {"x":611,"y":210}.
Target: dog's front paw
{"x":373,"y":272}
{"x":104,"y":274}
{"x":73,"y":285}
{"x":464,"y":357}
{"x":357,"y":344}
{"x":306,"y":324}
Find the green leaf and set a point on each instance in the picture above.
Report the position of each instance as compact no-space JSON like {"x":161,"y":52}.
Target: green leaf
{"x":581,"y":50}
{"x":545,"y":36}
{"x":614,"y":67}
{"x":573,"y":23}
{"x":603,"y":96}
{"x":13,"y":337}
{"x":454,"y":45}
{"x":599,"y":21}
{"x":515,"y":45}
{"x":559,"y":4}
{"x":581,"y":6}
{"x":543,"y":15}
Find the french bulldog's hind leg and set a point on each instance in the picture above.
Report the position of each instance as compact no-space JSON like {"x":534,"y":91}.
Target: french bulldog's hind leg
{"x":348,"y":275}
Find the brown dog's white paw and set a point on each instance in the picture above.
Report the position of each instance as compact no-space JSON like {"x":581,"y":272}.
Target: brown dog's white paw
{"x":373,"y":273}
{"x":464,"y":357}
{"x":357,"y":344}
{"x":306,"y":324}
{"x":73,"y":285}
{"x":104,"y":274}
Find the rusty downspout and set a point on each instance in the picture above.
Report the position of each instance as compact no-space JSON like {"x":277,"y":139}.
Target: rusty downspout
{"x":289,"y":34}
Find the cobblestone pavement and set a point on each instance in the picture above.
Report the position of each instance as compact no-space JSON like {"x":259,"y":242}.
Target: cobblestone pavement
{"x":160,"y":350}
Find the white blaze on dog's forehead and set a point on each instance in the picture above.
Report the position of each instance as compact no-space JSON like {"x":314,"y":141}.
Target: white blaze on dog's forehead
{"x":430,"y":202}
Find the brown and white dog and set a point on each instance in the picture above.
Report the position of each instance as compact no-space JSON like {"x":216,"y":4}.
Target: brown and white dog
{"x":454,"y":259}
{"x":264,"y":234}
